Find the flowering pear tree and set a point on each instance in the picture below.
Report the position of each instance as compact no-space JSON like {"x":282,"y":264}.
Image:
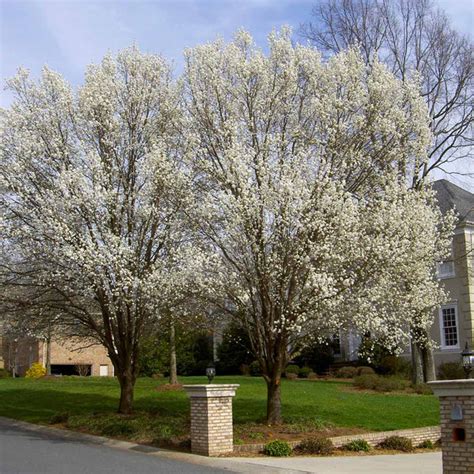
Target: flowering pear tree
{"x":92,"y":199}
{"x":301,"y":194}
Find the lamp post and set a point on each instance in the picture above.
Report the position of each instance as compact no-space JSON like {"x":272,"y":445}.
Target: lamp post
{"x":467,"y":360}
{"x":210,"y":372}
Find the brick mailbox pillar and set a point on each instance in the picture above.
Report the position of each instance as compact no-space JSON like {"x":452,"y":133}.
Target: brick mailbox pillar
{"x":211,"y":418}
{"x":456,"y":400}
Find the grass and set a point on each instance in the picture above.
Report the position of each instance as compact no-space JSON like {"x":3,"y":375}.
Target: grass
{"x":89,"y":404}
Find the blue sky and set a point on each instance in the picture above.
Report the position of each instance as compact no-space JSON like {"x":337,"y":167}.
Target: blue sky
{"x":69,"y":34}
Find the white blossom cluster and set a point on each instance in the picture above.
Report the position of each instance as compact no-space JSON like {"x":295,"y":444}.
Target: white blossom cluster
{"x":272,"y":185}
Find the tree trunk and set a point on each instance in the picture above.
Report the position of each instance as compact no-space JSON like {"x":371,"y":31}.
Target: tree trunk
{"x":273,"y":401}
{"x":127,"y":384}
{"x":429,"y":369}
{"x":48,"y":355}
{"x":173,"y":368}
{"x":417,"y":364}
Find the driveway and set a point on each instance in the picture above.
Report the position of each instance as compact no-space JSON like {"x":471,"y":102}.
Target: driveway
{"x":27,"y":448}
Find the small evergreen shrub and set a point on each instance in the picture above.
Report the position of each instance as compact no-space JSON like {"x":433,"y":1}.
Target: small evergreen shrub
{"x":357,"y":445}
{"x":398,"y":443}
{"x":312,"y":375}
{"x":304,"y":372}
{"x":364,"y":370}
{"x":292,"y":369}
{"x":367,"y":382}
{"x":316,"y":446}
{"x":291,"y":376}
{"x":4,"y":374}
{"x":422,"y":389}
{"x":36,"y":371}
{"x":427,"y":444}
{"x":61,"y":417}
{"x":255,"y":370}
{"x":346,"y":372}
{"x":277,"y":448}
{"x":450,"y":371}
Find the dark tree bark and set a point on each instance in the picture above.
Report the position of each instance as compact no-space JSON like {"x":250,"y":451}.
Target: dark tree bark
{"x":429,"y":369}
{"x":127,"y":384}
{"x":48,"y":354}
{"x":274,"y":400}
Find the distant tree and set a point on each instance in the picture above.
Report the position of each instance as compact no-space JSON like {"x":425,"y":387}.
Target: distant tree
{"x":411,"y":36}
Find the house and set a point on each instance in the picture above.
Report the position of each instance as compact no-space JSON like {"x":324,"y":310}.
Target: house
{"x":66,"y":357}
{"x":453,"y":323}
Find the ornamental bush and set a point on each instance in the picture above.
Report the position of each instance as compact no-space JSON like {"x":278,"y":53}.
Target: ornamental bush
{"x":450,"y":371}
{"x":364,"y":370}
{"x":304,"y":372}
{"x":357,"y":445}
{"x":36,"y":371}
{"x":427,"y":444}
{"x":292,"y":369}
{"x":399,"y":443}
{"x":291,"y":376}
{"x":346,"y":372}
{"x":318,"y":445}
{"x":4,"y":374}
{"x":277,"y":448}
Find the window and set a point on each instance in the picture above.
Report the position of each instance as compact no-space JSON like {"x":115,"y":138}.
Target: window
{"x":336,"y":344}
{"x":445,"y":270}
{"x":449,"y":327}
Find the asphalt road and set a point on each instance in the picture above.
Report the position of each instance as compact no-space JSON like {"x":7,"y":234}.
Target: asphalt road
{"x":25,"y":451}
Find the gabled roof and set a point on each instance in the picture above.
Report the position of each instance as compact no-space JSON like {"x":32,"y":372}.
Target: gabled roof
{"x":450,"y":196}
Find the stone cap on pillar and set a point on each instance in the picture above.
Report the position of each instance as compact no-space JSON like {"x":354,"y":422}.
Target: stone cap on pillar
{"x":450,"y":388}
{"x":211,"y":390}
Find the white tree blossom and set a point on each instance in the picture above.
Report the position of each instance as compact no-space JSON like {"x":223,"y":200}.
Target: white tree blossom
{"x":94,"y":193}
{"x":300,"y":191}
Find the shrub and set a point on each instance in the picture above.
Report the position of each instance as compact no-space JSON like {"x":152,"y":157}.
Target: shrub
{"x":368,"y":382}
{"x":364,"y":370}
{"x":380,"y":384}
{"x":292,"y":369}
{"x":346,"y":372}
{"x":277,"y":448}
{"x":316,"y":446}
{"x":312,"y":375}
{"x":317,"y":355}
{"x":357,"y":445}
{"x":255,"y":370}
{"x":422,"y":389}
{"x":398,"y":443}
{"x":36,"y":371}
{"x":59,"y":418}
{"x":304,"y":372}
{"x":427,"y":444}
{"x":393,"y":365}
{"x":291,"y":376}
{"x":4,"y":374}
{"x":450,"y":371}
{"x":234,"y":350}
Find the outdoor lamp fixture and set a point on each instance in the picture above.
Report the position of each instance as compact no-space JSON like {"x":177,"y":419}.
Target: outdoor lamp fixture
{"x":467,"y":360}
{"x":210,"y":372}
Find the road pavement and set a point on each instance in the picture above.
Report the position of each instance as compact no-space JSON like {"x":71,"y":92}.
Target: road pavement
{"x":34,"y":449}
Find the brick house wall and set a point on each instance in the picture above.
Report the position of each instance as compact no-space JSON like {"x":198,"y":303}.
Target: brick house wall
{"x":21,"y":353}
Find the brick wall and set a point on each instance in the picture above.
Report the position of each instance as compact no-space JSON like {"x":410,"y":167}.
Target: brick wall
{"x":458,"y":455}
{"x":417,"y":435}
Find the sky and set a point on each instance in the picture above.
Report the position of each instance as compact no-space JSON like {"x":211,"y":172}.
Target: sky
{"x":68,"y":35}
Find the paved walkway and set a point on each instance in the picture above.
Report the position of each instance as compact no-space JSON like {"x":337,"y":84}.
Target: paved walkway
{"x":27,"y":448}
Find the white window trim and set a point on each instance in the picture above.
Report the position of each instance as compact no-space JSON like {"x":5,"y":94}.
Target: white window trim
{"x":444,"y":347}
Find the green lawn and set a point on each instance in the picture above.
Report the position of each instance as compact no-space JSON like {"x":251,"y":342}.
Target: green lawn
{"x":91,"y":402}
